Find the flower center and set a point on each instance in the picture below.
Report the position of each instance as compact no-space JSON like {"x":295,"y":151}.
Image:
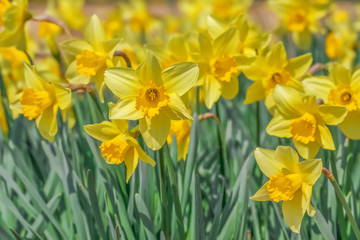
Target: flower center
{"x":303,"y":128}
{"x":343,"y":96}
{"x":88,"y":63}
{"x":4,"y":5}
{"x":223,"y":68}
{"x":151,"y":99}
{"x":283,"y":187}
{"x":114,"y":150}
{"x":280,"y":77}
{"x":296,"y":21}
{"x":33,"y":103}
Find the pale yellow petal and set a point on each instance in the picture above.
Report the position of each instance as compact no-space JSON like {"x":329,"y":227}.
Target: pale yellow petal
{"x":226,"y":43}
{"x":262,"y":194}
{"x":288,"y":101}
{"x":293,"y":211}
{"x":125,"y":109}
{"x":94,"y":33}
{"x":339,"y":74}
{"x":75,"y":47}
{"x":212,"y":90}
{"x":32,"y":79}
{"x":280,"y":127}
{"x":47,"y":123}
{"x":155,"y":130}
{"x":351,"y":125}
{"x":142,"y":155}
{"x":311,"y":170}
{"x":326,"y":139}
{"x":176,"y":109}
{"x":180,"y":77}
{"x":307,"y":191}
{"x":332,"y":115}
{"x":131,"y":160}
{"x":230,"y":89}
{"x":215,"y":26}
{"x":267,"y":161}
{"x":63,"y":96}
{"x":255,"y":92}
{"x":276,"y":57}
{"x":73,"y":76}
{"x":104,"y":131}
{"x":298,"y":66}
{"x":206,"y":50}
{"x":319,"y":86}
{"x":150,"y":70}
{"x":123,"y":82}
{"x":307,"y":151}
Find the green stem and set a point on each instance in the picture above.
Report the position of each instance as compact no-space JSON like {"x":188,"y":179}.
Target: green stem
{"x":343,"y":202}
{"x":197,"y":100}
{"x":223,"y":150}
{"x":163,"y":192}
{"x":257,"y":124}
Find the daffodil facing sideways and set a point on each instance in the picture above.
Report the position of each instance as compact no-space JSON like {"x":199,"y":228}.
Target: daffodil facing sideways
{"x":339,"y":89}
{"x":41,"y":100}
{"x":289,"y":181}
{"x":299,"y":117}
{"x":13,"y":17}
{"x":92,"y":56}
{"x":118,"y":144}
{"x":152,"y":96}
{"x":181,"y":130}
{"x":273,"y":68}
{"x":220,"y":65}
{"x":301,"y":18}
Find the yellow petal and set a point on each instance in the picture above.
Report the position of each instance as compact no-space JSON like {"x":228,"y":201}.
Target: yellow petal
{"x":258,"y":70}
{"x":287,"y":156}
{"x":212,"y":90}
{"x":177,"y":47}
{"x":299,"y":65}
{"x":276,"y":57}
{"x":302,"y":39}
{"x":262,"y":194}
{"x":355,"y":81}
{"x":311,"y":170}
{"x":99,"y":83}
{"x":94,"y":32}
{"x":280,"y":127}
{"x":255,"y":92}
{"x":339,"y":74}
{"x":294,"y":211}
{"x":215,"y":26}
{"x":226,"y":43}
{"x":104,"y":131}
{"x":176,"y":109}
{"x":319,"y":86}
{"x":332,"y":115}
{"x":206,"y":50}
{"x":75,"y":47}
{"x":150,"y":70}
{"x":326,"y":139}
{"x":288,"y":100}
{"x":307,"y":191}
{"x":73,"y":76}
{"x":307,"y":151}
{"x":180,"y":78}
{"x":47,"y":123}
{"x":350,"y":126}
{"x":142,"y":155}
{"x":230,"y":89}
{"x":155,"y":130}
{"x":125,"y":109}
{"x":131,"y":161}
{"x":63,"y":96}
{"x":122,"y":82}
{"x":32,"y":79}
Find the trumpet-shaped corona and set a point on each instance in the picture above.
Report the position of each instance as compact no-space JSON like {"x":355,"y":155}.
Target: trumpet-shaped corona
{"x":223,"y":67}
{"x":279,"y":77}
{"x":89,"y":62}
{"x":33,"y":103}
{"x":282,"y":187}
{"x":343,"y":95}
{"x":114,"y":150}
{"x":297,"y":20}
{"x":303,"y":128}
{"x":151,"y":99}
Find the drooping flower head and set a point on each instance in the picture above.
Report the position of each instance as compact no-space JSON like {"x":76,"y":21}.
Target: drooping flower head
{"x":299,"y":117}
{"x":118,"y":144}
{"x":289,"y":181}
{"x":151,"y":95}
{"x":339,"y":89}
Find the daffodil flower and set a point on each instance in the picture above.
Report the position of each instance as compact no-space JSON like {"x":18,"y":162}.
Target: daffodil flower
{"x":340,"y":89}
{"x":301,"y":17}
{"x":93,"y":55}
{"x":13,"y":18}
{"x":300,"y":118}
{"x":289,"y":181}
{"x":3,"y":122}
{"x":220,"y":64}
{"x":41,"y":100}
{"x":272,"y":69}
{"x":152,"y":96}
{"x":118,"y":145}
{"x":181,"y":129}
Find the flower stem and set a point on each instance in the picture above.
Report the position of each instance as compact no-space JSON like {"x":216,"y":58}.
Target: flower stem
{"x":257,"y":124}
{"x":343,"y":202}
{"x":163,"y":192}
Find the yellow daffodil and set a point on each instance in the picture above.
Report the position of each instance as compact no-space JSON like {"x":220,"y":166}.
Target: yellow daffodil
{"x":118,"y":144}
{"x":272,"y":69}
{"x":14,"y":19}
{"x":181,"y":129}
{"x":301,"y":17}
{"x":4,"y":5}
{"x":299,"y":117}
{"x":3,"y":122}
{"x":152,"y":96}
{"x":71,"y":11}
{"x":340,"y":89}
{"x":251,"y":38}
{"x":41,"y":100}
{"x":289,"y":181}
{"x":220,"y":64}
{"x":93,"y":55}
